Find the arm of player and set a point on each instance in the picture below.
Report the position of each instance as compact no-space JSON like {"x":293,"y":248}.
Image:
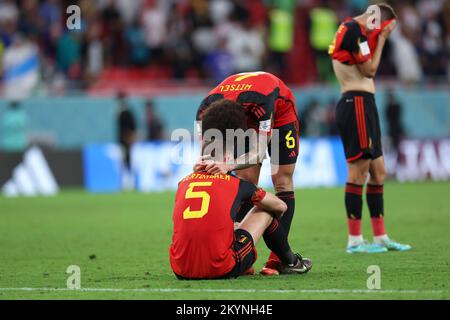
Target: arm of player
{"x":253,"y":157}
{"x":256,"y":153}
{"x":269,"y":202}
{"x":247,"y":160}
{"x":213,"y":167}
{"x":370,"y":67}
{"x":258,"y":149}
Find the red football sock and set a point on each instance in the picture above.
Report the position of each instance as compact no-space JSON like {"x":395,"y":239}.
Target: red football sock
{"x":273,"y":257}
{"x":374,"y":194}
{"x":354,"y":227}
{"x":378,"y":226}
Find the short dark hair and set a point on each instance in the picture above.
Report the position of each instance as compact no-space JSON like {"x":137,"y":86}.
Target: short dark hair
{"x":222,"y":115}
{"x":387,"y":12}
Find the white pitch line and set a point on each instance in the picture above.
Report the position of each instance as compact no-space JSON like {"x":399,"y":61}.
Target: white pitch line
{"x":153,"y":290}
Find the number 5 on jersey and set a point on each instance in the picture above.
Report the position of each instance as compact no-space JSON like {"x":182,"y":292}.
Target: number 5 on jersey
{"x":203,"y":195}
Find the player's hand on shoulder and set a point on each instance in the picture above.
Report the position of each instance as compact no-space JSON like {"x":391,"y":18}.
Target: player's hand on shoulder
{"x":386,"y":32}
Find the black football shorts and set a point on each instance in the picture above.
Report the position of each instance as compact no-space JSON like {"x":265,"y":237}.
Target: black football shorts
{"x":244,"y":253}
{"x":286,"y":149}
{"x":288,"y":144}
{"x":359,"y":126}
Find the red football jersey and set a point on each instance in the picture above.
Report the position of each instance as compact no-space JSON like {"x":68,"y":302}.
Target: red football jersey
{"x":263,"y":95}
{"x":203,"y":227}
{"x":350,"y":45}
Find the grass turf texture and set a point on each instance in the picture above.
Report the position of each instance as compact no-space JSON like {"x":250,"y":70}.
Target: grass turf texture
{"x":121,"y":241}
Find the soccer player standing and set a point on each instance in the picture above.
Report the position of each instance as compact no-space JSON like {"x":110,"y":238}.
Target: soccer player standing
{"x":356,"y":54}
{"x":268,"y":104}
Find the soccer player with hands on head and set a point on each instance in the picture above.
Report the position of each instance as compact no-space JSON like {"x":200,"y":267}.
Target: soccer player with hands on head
{"x":356,"y":55}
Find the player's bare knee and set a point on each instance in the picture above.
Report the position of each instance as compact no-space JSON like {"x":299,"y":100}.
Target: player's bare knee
{"x":282,"y":182}
{"x":357,"y":177}
{"x":378,"y":177}
{"x":248,"y":177}
{"x":356,"y":180}
{"x":358,"y":172}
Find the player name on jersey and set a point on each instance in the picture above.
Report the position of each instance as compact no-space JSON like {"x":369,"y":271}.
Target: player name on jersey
{"x":235,"y":87}
{"x":205,"y":176}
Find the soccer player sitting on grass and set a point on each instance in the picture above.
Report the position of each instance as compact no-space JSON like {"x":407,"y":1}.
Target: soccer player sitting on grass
{"x":205,"y":244}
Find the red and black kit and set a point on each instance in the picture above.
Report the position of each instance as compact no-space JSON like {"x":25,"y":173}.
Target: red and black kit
{"x":268,"y":103}
{"x":359,"y":125}
{"x":350,"y":45}
{"x":204,"y":243}
{"x":356,"y":113}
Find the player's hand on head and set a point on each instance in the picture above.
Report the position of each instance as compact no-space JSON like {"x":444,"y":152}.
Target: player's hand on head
{"x":386,"y":32}
{"x":200,"y":165}
{"x":218,"y":168}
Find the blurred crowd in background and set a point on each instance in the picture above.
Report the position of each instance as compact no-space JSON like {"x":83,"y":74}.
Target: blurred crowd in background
{"x":201,"y":39}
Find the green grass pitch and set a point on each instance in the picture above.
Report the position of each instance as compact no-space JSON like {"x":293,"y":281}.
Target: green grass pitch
{"x":121,"y":242}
